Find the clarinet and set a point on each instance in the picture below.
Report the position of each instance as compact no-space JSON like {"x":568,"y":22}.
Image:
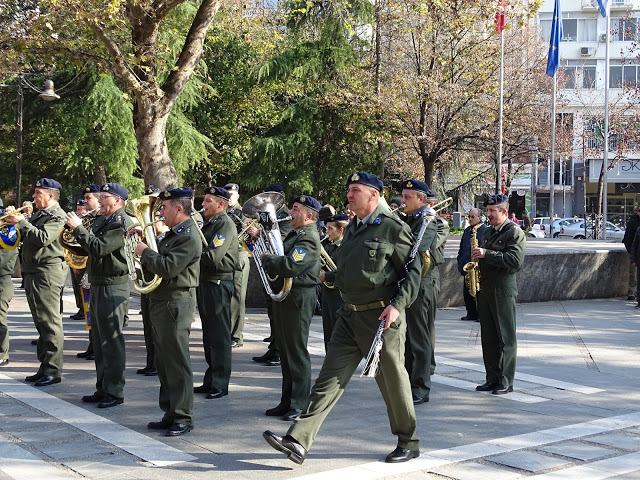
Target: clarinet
{"x":372,"y":364}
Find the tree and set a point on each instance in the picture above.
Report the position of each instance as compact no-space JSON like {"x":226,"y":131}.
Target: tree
{"x":140,"y":42}
{"x":439,"y":65}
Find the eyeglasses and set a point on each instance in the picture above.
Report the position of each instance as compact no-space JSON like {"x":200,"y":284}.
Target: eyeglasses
{"x":104,"y":197}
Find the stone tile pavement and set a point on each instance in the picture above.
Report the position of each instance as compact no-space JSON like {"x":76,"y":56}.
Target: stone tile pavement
{"x":575,"y":412}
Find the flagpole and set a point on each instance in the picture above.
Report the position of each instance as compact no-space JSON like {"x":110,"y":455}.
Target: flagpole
{"x":552,"y":163}
{"x":499,"y":162}
{"x":605,"y":133}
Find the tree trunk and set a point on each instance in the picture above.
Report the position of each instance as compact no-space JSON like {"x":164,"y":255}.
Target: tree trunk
{"x":157,"y":168}
{"x":99,"y":175}
{"x":428,"y":161}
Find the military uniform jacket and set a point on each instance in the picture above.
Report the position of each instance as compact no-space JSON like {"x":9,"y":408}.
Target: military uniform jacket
{"x":371,"y":261}
{"x":219,"y":260}
{"x":177,"y":260}
{"x":301,"y":259}
{"x":429,"y":243}
{"x":40,"y":244}
{"x":505,"y":249}
{"x":107,"y":263}
{"x":238,"y":218}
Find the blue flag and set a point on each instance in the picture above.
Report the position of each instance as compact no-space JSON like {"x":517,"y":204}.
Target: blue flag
{"x":554,"y":41}
{"x":600,"y":5}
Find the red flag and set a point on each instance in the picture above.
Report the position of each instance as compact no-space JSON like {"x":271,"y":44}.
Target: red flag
{"x":501,"y":17}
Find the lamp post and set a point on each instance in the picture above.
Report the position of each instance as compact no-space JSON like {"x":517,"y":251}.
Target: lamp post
{"x":48,"y":94}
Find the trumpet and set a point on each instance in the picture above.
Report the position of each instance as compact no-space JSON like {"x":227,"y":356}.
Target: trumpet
{"x":245,"y":239}
{"x":15,"y":212}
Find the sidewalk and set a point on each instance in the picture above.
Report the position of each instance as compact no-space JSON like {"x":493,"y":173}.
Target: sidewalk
{"x":575,"y":412}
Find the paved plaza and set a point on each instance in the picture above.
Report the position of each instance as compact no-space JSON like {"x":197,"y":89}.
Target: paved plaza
{"x":575,"y":412}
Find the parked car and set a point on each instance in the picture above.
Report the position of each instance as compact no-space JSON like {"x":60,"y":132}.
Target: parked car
{"x":542,"y":224}
{"x":577,"y":230}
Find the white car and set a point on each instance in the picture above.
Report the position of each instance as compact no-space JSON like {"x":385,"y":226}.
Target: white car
{"x":541,"y":224}
{"x":577,"y":230}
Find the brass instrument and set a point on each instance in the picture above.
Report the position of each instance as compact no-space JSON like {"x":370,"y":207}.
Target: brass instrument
{"x":426,"y":256}
{"x":143,"y":210}
{"x":15,"y":212}
{"x":328,"y":265}
{"x":472,"y":277}
{"x":244,"y":238}
{"x":263,"y":207}
{"x":69,"y":243}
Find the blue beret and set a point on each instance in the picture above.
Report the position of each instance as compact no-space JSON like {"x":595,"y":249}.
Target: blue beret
{"x":497,"y":199}
{"x":180,"y":192}
{"x":116,"y":189}
{"x":80,"y":203}
{"x":92,"y":188}
{"x":217,"y":192}
{"x":365,"y":178}
{"x":232,"y":187}
{"x":431,"y":195}
{"x":274,"y":188}
{"x":308,"y":202}
{"x":416,"y":185}
{"x":338,"y":217}
{"x":152,"y":191}
{"x":47,"y":183}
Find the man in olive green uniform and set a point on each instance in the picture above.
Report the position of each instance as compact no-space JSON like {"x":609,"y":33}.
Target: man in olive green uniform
{"x":217,"y":264}
{"x":45,"y":272}
{"x":241,"y":273}
{"x":500,"y":256}
{"x":109,"y":297}
{"x":331,"y":300}
{"x":172,"y":307}
{"x":272,"y":357}
{"x":8,"y":259}
{"x":371,"y":264}
{"x":292,"y":316}
{"x":420,"y":345}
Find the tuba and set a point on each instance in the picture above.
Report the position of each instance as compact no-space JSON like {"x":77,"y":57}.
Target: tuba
{"x":472,"y":277}
{"x":142,"y":209}
{"x":263,"y":207}
{"x":74,"y":254}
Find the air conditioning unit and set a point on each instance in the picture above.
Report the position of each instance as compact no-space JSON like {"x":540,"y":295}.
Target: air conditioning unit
{"x":587,"y":51}
{"x":603,"y":37}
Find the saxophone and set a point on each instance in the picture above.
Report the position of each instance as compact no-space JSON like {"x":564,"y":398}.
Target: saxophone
{"x":472,"y":278}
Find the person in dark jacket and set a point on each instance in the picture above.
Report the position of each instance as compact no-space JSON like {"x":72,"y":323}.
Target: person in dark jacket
{"x":632,"y":225}
{"x":464,"y":257}
{"x":634,"y":251}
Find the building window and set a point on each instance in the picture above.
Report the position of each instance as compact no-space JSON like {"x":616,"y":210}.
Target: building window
{"x":624,"y":29}
{"x":573,"y":29}
{"x":623,"y":75}
{"x":580,"y":74}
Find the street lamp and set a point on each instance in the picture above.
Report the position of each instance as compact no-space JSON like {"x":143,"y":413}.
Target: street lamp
{"x":48,"y":94}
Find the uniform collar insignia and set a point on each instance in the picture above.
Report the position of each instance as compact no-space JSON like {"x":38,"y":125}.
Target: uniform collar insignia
{"x":417,"y":215}
{"x":377,"y":220}
{"x":180,"y":230}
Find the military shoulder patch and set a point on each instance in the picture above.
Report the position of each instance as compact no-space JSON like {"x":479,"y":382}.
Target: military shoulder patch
{"x":218,"y":240}
{"x":298,"y":254}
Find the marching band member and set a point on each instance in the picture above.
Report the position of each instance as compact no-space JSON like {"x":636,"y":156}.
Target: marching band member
{"x":292,"y":316}
{"x":375,"y":248}
{"x":217,"y":265}
{"x":45,"y":272}
{"x":109,"y":298}
{"x":8,"y":259}
{"x":172,"y":308}
{"x":420,"y":344}
{"x":331,"y":299}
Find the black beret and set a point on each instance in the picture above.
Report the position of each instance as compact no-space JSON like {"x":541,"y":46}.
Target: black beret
{"x":116,"y":189}
{"x":274,"y":188}
{"x":308,"y":202}
{"x":180,"y":192}
{"x":80,"y":203}
{"x":338,"y":217}
{"x":497,"y":199}
{"x":232,"y":187}
{"x":92,"y":188}
{"x":48,"y":183}
{"x":365,"y":178}
{"x":218,"y":192}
